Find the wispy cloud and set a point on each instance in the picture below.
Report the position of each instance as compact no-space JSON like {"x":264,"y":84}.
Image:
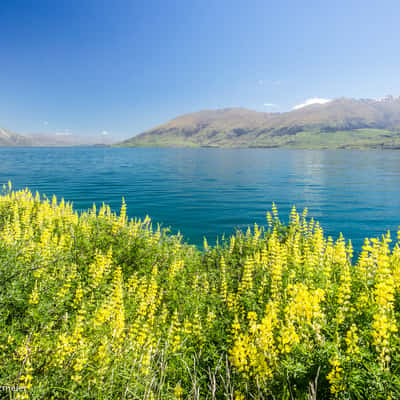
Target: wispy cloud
{"x":45,"y":123}
{"x":65,"y":132}
{"x":309,"y":102}
{"x":105,"y":133}
{"x":270,"y":105}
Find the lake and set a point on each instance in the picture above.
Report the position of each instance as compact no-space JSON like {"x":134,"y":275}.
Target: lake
{"x":208,"y":192}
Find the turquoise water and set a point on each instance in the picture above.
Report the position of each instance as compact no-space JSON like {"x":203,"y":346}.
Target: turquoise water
{"x":208,"y":192}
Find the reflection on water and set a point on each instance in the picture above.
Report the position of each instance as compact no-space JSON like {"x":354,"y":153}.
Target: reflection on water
{"x":212,"y":191}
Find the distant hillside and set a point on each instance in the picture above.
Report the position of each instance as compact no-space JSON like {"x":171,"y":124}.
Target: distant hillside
{"x":67,"y":140}
{"x":8,"y":138}
{"x":341,"y":123}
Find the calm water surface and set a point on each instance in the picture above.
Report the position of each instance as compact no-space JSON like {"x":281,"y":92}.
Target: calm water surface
{"x":208,"y":192}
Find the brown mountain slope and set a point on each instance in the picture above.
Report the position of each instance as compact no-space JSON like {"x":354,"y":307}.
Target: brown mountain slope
{"x":340,"y":123}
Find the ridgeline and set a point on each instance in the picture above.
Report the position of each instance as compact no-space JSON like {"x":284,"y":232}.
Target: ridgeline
{"x":341,"y":123}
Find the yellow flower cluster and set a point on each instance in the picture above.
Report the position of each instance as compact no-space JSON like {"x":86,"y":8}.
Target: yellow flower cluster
{"x":100,"y":302}
{"x":335,"y":377}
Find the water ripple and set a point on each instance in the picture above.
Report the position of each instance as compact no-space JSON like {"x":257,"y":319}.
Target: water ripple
{"x":213,"y":191}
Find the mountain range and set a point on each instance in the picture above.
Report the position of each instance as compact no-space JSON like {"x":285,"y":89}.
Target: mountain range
{"x":340,"y":123}
{"x":11,"y":139}
{"x":8,"y":138}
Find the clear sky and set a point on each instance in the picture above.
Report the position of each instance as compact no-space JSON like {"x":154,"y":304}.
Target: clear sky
{"x":88,"y":66}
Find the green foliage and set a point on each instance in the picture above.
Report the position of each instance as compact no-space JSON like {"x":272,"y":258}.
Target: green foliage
{"x":94,"y":306}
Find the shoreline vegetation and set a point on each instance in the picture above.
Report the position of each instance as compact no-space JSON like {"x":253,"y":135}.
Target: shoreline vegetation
{"x":96,"y":306}
{"x":354,"y":139}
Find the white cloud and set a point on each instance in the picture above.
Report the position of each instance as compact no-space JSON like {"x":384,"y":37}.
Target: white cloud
{"x":66,"y":132}
{"x":270,"y":105}
{"x":45,"y":123}
{"x":308,"y":102}
{"x":104,"y":133}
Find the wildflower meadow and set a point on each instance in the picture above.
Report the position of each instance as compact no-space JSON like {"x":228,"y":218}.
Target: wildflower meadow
{"x":96,"y":306}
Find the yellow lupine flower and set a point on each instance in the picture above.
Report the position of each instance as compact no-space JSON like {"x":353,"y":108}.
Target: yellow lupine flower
{"x":352,"y":342}
{"x":224,"y":285}
{"x":247,"y":278}
{"x":100,"y":267}
{"x":178,"y":391}
{"x":34,"y":297}
{"x":335,"y":377}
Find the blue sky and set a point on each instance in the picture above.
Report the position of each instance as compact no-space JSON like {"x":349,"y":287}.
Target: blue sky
{"x":87,"y":66}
